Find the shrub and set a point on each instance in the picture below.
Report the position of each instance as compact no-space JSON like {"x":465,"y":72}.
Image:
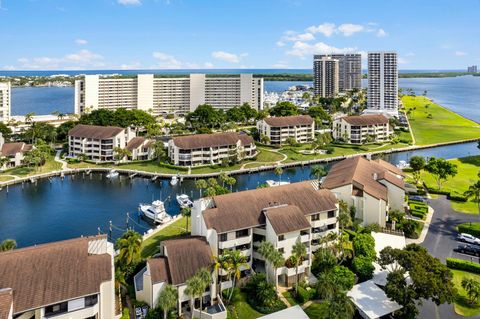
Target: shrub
{"x":180,"y":168}
{"x":469,"y":228}
{"x":261,"y":294}
{"x":410,"y":228}
{"x":417,"y":214}
{"x":458,"y":198}
{"x":364,"y":245}
{"x":343,"y":277}
{"x":302,"y":295}
{"x":466,"y":265}
{"x":363,"y":267}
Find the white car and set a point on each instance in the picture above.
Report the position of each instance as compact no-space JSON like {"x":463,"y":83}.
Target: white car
{"x":468,"y":238}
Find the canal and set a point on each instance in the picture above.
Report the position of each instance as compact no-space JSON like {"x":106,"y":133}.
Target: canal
{"x":58,"y":209}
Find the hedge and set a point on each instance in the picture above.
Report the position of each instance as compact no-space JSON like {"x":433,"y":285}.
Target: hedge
{"x":458,"y":198}
{"x":302,"y":295}
{"x":466,"y":265}
{"x":455,"y":197}
{"x":469,"y":228}
{"x":417,"y":214}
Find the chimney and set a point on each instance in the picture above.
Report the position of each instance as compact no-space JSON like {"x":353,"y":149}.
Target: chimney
{"x":375,"y":176}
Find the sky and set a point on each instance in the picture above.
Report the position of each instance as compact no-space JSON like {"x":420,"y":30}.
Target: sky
{"x":233,"y":34}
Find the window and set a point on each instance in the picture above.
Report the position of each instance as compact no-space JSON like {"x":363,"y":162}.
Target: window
{"x":223,"y":237}
{"x":56,"y":309}
{"x":281,"y":237}
{"x":331,"y":214}
{"x":241,"y":233}
{"x":315,"y":217}
{"x":281,"y":250}
{"x":331,"y":226}
{"x":91,"y":300}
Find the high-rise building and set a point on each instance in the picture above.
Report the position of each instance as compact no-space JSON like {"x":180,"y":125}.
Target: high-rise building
{"x":326,"y":77}
{"x":382,"y":83}
{"x":349,"y":70}
{"x":472,"y":69}
{"x":164,"y":95}
{"x":5,"y":98}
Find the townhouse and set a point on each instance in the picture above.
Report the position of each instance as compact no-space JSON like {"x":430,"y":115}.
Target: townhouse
{"x":279,"y":129}
{"x":282,"y":215}
{"x":71,"y":279}
{"x":362,"y":129}
{"x":15,"y":152}
{"x":141,"y":149}
{"x":211,"y":149}
{"x":373,"y":187}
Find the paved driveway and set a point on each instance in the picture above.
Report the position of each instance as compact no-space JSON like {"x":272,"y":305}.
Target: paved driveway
{"x":440,"y":242}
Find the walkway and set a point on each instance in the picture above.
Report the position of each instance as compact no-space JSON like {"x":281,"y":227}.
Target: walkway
{"x":426,"y":226}
{"x":59,"y":160}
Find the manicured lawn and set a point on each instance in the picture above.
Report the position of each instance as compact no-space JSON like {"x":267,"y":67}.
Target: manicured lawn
{"x":49,"y":166}
{"x":151,"y":245}
{"x":151,"y":166}
{"x":265,"y":155}
{"x":240,"y":309}
{"x":5,"y":178}
{"x":289,"y":297}
{"x":316,"y":310}
{"x":462,"y":305}
{"x":467,"y":172}
{"x":443,"y":126}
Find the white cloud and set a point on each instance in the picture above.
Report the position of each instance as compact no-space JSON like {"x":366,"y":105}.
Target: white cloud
{"x":208,"y":65}
{"x":280,"y":44}
{"x":8,"y":67}
{"x":292,"y":36}
{"x":130,"y":66}
{"x":129,"y":2}
{"x":348,"y":29}
{"x":410,"y":54}
{"x":302,"y":49}
{"x":281,"y":65}
{"x":327,"y":29}
{"x":381,"y":33}
{"x":79,"y":60}
{"x":228,"y":57}
{"x":81,"y":41}
{"x":402,"y":60}
{"x":167,"y":61}
{"x":460,"y":53}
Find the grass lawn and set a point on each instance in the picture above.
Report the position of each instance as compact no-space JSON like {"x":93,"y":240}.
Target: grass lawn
{"x":288,"y":295}
{"x":151,"y":245}
{"x":468,"y":168}
{"x":316,"y":310}
{"x":49,"y":166}
{"x":5,"y":178}
{"x":443,"y":126}
{"x":240,"y":309}
{"x":462,"y":306}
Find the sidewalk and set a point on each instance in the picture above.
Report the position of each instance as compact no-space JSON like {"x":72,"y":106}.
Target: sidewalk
{"x":426,"y":226}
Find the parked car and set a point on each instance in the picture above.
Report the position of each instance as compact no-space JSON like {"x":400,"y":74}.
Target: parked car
{"x":467,"y":238}
{"x":417,"y":198}
{"x":468,"y":249}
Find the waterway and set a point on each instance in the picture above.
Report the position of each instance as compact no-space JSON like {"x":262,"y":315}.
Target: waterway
{"x":58,"y":209}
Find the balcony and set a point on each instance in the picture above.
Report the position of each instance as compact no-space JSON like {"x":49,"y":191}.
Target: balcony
{"x":234,"y":242}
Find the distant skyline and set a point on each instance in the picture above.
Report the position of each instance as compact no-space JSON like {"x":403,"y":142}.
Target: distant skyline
{"x":266,"y":34}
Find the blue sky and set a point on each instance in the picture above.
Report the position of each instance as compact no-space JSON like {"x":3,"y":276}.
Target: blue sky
{"x":143,"y":34}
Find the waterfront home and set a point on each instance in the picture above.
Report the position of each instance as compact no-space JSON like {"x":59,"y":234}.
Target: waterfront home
{"x":178,"y":261}
{"x":71,"y":279}
{"x":282,"y":215}
{"x":372,"y":187}
{"x":141,"y":149}
{"x":211,"y":149}
{"x":278,"y":129}
{"x":15,"y":152}
{"x":96,"y":143}
{"x":361,"y":129}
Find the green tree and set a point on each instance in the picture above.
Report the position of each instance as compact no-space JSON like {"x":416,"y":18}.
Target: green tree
{"x":186,"y":212}
{"x":249,"y":113}
{"x":206,"y":280}
{"x":264,"y":139}
{"x":201,"y":184}
{"x":167,"y":300}
{"x":318,"y":171}
{"x":129,"y":246}
{"x":205,"y":116}
{"x":121,"y":153}
{"x":417,"y":163}
{"x":343,"y":277}
{"x":62,"y":130}
{"x":472,"y":287}
{"x":324,"y":260}
{"x":29,"y":117}
{"x":299,"y":251}
{"x":278,"y":171}
{"x":159,"y":151}
{"x":236,"y":115}
{"x":441,"y":169}
{"x":271,"y":255}
{"x":319,"y":114}
{"x":284,"y":109}
{"x":364,"y":245}
{"x":194,"y":290}
{"x":474,"y":192}
{"x":340,"y":306}
{"x":5,"y":131}
{"x":8,"y":244}
{"x":363,"y":267}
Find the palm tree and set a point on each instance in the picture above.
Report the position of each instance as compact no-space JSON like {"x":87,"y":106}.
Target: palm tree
{"x":120,"y":283}
{"x":194,"y":289}
{"x":159,"y":150}
{"x":186,"y":212}
{"x":318,"y":171}
{"x":29,"y":117}
{"x":472,"y":287}
{"x":326,"y":287}
{"x":167,"y":299}
{"x":3,"y":161}
{"x":474,"y":191}
{"x":8,"y":244}
{"x":121,"y":153}
{"x":223,"y":178}
{"x":201,"y":184}
{"x":299,"y":250}
{"x":129,"y":246}
{"x":231,"y":181}
{"x":206,"y":279}
{"x":340,"y":306}
{"x":222,"y":262}
{"x":237,"y":261}
{"x":271,"y":255}
{"x":278,"y":171}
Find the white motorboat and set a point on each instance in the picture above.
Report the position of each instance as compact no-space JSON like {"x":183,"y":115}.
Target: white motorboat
{"x":155,"y":212}
{"x":272,"y":183}
{"x":184,"y":201}
{"x":112,"y":174}
{"x":403,"y":165}
{"x":174,"y":180}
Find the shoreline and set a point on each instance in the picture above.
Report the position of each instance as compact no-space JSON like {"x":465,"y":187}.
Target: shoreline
{"x":134,"y":173}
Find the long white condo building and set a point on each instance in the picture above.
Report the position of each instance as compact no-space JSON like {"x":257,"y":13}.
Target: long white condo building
{"x":166,"y":95}
{"x":382,"y":83}
{"x":5,"y":98}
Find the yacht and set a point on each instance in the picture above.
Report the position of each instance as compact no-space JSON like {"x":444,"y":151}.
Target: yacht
{"x":112,"y":174}
{"x":272,"y":183}
{"x":184,"y":201}
{"x":155,"y":212}
{"x":403,"y":165}
{"x":174,"y":180}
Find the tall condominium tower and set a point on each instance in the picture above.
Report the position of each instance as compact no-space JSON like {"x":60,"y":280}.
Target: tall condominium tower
{"x":164,"y":95}
{"x":349,"y":70}
{"x":5,"y":98}
{"x":472,"y":69}
{"x":382,"y":83}
{"x":326,"y":77}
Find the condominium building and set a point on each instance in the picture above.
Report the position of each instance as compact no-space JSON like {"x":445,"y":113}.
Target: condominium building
{"x":361,"y":129}
{"x":97,"y":143}
{"x":349,"y":70}
{"x":72,"y":279}
{"x":382,"y":94}
{"x":279,"y":129}
{"x":167,"y":95}
{"x":326,"y":77}
{"x":372,"y":187}
{"x":282,"y":215}
{"x":472,"y":69}
{"x":5,"y":100}
{"x":15,"y":152}
{"x":211,"y":149}
{"x":140,"y":148}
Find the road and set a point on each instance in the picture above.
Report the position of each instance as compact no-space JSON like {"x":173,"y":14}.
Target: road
{"x":440,"y":242}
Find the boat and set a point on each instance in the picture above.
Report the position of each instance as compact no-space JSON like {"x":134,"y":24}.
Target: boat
{"x":184,"y":201}
{"x":403,"y":165}
{"x":174,"y":180}
{"x":112,"y":174}
{"x":155,"y":212}
{"x":272,"y":183}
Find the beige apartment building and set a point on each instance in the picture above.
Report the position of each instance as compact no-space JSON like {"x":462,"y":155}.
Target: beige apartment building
{"x":279,"y":129}
{"x":167,"y":95}
{"x":71,"y":279}
{"x":211,"y":149}
{"x":361,"y":129}
{"x":282,"y":215}
{"x":5,"y":101}
{"x":15,"y":152}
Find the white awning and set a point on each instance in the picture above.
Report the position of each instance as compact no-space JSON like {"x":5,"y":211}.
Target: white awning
{"x":295,"y":312}
{"x":371,"y":301}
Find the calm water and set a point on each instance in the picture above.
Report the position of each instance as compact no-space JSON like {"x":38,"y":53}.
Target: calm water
{"x":42,"y":100}
{"x":60,"y":209}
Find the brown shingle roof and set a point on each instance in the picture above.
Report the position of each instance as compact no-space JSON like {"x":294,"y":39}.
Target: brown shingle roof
{"x":10,"y":149}
{"x":280,"y":121}
{"x":360,"y":172}
{"x":244,"y":209}
{"x":392,"y":168}
{"x":287,"y":218}
{"x":211,"y":140}
{"x":95,"y":131}
{"x":135,"y":143}
{"x":369,"y":119}
{"x":6,"y":300}
{"x":186,"y":256}
{"x":49,"y":273}
{"x":159,"y":270}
